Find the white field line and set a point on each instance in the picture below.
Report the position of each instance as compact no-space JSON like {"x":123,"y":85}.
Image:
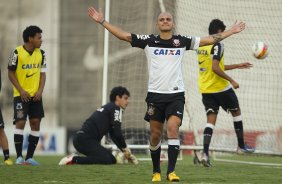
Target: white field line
{"x":247,"y":162}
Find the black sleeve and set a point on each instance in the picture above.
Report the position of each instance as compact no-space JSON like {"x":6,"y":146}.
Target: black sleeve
{"x":189,"y":42}
{"x":217,"y":51}
{"x":43,"y":63}
{"x":13,"y":60}
{"x":139,"y":40}
{"x":116,"y":136}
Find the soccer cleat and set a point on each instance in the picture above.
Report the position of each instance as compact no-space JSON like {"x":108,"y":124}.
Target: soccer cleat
{"x":20,"y":161}
{"x":67,"y":160}
{"x":156,"y":177}
{"x":205,"y":160}
{"x":246,"y":149}
{"x":31,"y":161}
{"x":172,"y":177}
{"x":8,"y":162}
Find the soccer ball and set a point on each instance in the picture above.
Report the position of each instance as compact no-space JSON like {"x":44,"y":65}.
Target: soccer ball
{"x":260,"y":50}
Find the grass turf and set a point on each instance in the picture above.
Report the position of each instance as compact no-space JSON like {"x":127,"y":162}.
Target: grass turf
{"x":50,"y":172}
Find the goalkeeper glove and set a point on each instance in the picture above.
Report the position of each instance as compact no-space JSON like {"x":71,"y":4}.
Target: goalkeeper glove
{"x":129,"y":156}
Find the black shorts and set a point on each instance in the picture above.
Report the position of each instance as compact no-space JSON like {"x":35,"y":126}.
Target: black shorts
{"x":1,"y":120}
{"x":226,"y":99}
{"x":161,"y":106}
{"x":34,"y":109}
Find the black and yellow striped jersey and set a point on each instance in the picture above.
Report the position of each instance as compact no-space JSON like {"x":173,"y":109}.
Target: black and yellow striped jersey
{"x":210,"y":82}
{"x":27,"y":67}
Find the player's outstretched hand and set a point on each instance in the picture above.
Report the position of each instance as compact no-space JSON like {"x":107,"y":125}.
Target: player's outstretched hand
{"x":238,"y":27}
{"x":97,"y":16}
{"x":132,"y":159}
{"x":245,"y":65}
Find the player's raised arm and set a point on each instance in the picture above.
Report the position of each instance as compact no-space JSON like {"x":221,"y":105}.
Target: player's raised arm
{"x":98,"y":17}
{"x":212,"y":39}
{"x":245,"y":65}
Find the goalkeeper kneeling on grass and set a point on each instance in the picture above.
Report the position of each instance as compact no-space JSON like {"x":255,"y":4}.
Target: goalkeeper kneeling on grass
{"x":104,"y":120}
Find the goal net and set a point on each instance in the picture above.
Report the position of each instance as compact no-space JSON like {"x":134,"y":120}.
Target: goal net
{"x":260,"y":87}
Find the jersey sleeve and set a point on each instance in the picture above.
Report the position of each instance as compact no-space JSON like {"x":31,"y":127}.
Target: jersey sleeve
{"x":115,"y":131}
{"x":191,"y":43}
{"x":139,"y":41}
{"x":13,"y":60}
{"x":117,"y":137}
{"x":43,"y":63}
{"x":217,"y":51}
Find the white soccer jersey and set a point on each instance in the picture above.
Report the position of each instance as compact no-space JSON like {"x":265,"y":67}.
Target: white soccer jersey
{"x":165,"y":60}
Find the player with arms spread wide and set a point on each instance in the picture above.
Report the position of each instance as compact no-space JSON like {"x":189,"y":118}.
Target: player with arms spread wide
{"x":104,"y":120}
{"x":216,"y":88}
{"x":165,"y":97}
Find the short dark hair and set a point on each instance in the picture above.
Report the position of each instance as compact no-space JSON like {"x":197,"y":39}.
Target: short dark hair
{"x":118,"y":91}
{"x":30,"y":31}
{"x":215,"y":26}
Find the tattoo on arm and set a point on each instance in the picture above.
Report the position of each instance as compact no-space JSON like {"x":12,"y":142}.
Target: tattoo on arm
{"x":217,"y":37}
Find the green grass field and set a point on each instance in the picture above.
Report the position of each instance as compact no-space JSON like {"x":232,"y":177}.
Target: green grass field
{"x":222,"y":172}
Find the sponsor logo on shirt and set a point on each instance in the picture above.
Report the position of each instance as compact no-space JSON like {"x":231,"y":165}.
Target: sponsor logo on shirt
{"x":29,"y":66}
{"x":117,"y":116}
{"x":143,"y":37}
{"x":202,"y":52}
{"x":167,"y":52}
{"x":29,"y":75}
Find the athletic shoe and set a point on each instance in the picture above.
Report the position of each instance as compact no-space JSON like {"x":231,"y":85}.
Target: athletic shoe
{"x":156,"y":177}
{"x":172,"y":177}
{"x":246,"y":149}
{"x":205,"y":160}
{"x":67,"y":160}
{"x":20,"y":161}
{"x":8,"y":162}
{"x":31,"y":161}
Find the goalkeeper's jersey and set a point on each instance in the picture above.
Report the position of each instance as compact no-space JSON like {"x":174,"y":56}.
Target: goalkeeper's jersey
{"x":27,"y":67}
{"x":164,"y":59}
{"x":104,"y":120}
{"x":210,"y":82}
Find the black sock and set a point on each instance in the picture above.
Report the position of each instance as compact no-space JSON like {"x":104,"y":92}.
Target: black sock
{"x":173,"y":150}
{"x":32,"y":143}
{"x":18,"y":140}
{"x":155,"y":155}
{"x":207,"y":139}
{"x":238,"y":126}
{"x":6,"y":154}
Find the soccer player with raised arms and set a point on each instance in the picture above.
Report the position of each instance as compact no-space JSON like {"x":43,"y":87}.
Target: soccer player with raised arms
{"x":165,"y":97}
{"x":216,"y":88}
{"x":26,"y":71}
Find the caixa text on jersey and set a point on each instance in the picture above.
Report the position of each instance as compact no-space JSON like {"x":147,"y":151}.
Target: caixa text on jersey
{"x":167,"y":52}
{"x":29,"y":66}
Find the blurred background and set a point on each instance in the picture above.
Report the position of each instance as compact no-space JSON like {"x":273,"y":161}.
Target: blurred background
{"x":75,"y":46}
